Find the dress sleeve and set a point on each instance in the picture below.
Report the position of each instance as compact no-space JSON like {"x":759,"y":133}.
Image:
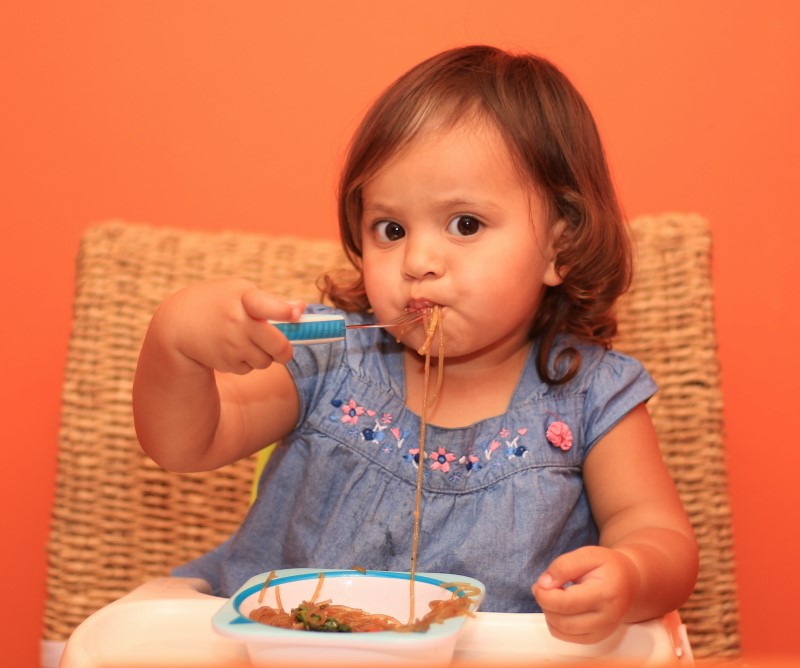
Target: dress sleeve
{"x":617,"y":385}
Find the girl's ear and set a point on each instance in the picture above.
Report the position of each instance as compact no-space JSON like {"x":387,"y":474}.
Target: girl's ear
{"x":551,"y":276}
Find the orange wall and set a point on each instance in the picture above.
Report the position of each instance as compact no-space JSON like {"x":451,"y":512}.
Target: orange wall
{"x":216,"y":115}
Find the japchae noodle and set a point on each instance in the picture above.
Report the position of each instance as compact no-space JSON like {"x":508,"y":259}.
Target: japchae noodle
{"x":324,"y":616}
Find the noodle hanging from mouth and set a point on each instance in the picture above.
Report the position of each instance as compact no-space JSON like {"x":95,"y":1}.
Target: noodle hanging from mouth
{"x":433,"y":325}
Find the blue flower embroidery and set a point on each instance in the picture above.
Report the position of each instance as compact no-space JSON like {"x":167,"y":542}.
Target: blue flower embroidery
{"x":412,"y":456}
{"x":470,"y":463}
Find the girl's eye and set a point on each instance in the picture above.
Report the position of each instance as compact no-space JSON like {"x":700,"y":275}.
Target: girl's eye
{"x":464,"y":226}
{"x":388,"y":230}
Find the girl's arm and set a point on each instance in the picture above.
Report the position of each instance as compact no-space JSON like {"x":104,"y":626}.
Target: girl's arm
{"x":205,"y":391}
{"x":647,"y":561}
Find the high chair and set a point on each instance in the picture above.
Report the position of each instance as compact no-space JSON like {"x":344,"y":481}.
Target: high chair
{"x":120,"y":523}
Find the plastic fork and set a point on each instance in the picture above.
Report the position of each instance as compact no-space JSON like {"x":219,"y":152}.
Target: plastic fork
{"x":318,"y":328}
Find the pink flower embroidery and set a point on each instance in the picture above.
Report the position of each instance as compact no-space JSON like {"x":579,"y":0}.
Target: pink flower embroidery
{"x":351,"y":411}
{"x":441,"y":460}
{"x":491,"y":448}
{"x":559,"y":435}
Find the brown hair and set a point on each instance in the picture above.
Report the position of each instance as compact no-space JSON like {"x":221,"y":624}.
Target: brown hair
{"x":550,"y":132}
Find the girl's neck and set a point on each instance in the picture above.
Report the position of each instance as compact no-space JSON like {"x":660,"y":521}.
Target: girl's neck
{"x":473,"y":388}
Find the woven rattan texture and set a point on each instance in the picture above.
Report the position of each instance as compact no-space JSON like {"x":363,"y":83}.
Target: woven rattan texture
{"x":667,"y":322}
{"x":119,"y":520}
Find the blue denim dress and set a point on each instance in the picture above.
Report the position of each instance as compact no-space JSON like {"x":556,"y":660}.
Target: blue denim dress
{"x":501,"y":497}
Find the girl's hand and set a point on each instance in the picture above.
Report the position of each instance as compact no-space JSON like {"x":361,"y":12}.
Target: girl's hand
{"x":222,"y":325}
{"x":188,"y":417}
{"x":585,"y":594}
{"x":647,"y":561}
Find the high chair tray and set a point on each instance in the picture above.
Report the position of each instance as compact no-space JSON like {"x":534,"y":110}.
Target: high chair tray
{"x":167,"y":623}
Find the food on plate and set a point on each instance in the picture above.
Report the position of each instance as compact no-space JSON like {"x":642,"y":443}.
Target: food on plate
{"x":325,"y":616}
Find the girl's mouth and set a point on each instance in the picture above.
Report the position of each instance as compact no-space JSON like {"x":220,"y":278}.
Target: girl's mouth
{"x":419,"y":304}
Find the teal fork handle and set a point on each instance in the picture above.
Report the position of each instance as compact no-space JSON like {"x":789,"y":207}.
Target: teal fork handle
{"x":313,"y":328}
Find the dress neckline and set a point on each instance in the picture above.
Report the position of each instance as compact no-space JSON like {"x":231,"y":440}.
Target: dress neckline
{"x":393,"y":359}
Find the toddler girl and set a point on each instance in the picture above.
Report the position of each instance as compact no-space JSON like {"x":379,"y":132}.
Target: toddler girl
{"x":477,"y":186}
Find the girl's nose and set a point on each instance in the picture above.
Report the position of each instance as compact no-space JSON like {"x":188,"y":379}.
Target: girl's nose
{"x":424,"y":258}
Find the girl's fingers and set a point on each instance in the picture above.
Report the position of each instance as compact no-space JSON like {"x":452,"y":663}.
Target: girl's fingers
{"x":571,"y":567}
{"x":260,"y":305}
{"x":270,"y":343}
{"x":258,"y":359}
{"x":583,"y":629}
{"x":568,"y":600}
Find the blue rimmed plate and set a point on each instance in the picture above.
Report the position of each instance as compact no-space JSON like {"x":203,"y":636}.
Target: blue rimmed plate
{"x":385,"y":592}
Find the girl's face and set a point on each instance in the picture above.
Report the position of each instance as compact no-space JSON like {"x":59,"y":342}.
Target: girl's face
{"x":449,"y":221}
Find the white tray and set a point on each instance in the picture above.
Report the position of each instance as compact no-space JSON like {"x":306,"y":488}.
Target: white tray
{"x":167,"y":622}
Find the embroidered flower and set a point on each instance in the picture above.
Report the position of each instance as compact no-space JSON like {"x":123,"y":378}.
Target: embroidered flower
{"x":513,"y":448}
{"x":559,"y":435}
{"x":471,"y":463}
{"x":352,"y":411}
{"x":399,"y":435}
{"x":412,"y":456}
{"x":454,"y":476}
{"x":516,"y":450}
{"x":493,"y":445}
{"x":441,"y":460}
{"x":387,"y":418}
{"x":504,"y":433}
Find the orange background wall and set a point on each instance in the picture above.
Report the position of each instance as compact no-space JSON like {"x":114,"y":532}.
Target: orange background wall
{"x":235,"y":115}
